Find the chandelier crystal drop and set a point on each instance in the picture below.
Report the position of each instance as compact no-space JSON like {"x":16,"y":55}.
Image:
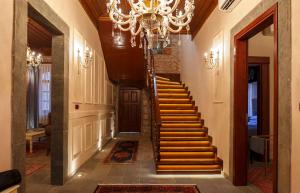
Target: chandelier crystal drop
{"x":149,"y":17}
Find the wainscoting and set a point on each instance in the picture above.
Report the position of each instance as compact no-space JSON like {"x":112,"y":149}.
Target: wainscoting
{"x":92,"y":113}
{"x":88,"y":133}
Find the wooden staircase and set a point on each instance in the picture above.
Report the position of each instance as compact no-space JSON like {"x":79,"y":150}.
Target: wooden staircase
{"x":184,"y":144}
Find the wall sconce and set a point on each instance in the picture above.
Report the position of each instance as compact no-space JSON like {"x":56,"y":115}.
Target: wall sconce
{"x":211,"y":60}
{"x":33,"y":59}
{"x":87,"y":59}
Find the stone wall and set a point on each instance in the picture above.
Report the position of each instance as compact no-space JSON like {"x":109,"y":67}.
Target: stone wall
{"x":168,"y":61}
{"x":146,"y":113}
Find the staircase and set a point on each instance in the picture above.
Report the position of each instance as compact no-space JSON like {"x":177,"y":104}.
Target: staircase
{"x":184,"y":145}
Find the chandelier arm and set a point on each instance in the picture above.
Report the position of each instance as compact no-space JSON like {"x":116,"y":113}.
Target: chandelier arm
{"x":186,"y":12}
{"x":174,"y":30}
{"x":172,"y":9}
{"x":137,"y":32}
{"x":181,"y":24}
{"x":124,"y":28}
{"x":136,"y":6}
{"x":119,"y":22}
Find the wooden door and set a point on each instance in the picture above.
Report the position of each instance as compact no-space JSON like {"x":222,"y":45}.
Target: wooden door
{"x":129,"y":110}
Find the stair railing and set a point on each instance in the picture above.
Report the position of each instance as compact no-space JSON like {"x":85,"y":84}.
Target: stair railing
{"x":155,"y":110}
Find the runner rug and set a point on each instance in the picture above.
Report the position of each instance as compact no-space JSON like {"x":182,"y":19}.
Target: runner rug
{"x":147,"y":189}
{"x":124,"y":152}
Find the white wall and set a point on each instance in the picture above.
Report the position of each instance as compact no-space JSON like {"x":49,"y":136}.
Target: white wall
{"x":90,"y":125}
{"x":213,"y":96}
{"x":6,"y":21}
{"x":295,"y":186}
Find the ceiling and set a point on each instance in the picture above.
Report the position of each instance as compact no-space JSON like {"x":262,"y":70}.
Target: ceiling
{"x":39,"y":39}
{"x":124,"y":63}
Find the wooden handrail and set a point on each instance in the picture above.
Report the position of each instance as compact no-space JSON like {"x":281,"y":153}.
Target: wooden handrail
{"x":155,"y":110}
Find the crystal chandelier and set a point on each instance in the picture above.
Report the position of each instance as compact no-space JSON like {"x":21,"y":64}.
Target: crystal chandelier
{"x":33,"y":59}
{"x":150,"y":17}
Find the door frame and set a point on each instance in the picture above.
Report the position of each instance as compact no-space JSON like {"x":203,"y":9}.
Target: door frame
{"x":41,"y":12}
{"x":240,"y":137}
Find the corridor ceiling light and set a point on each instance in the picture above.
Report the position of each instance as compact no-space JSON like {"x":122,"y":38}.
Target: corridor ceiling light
{"x":149,"y":17}
{"x":33,"y":59}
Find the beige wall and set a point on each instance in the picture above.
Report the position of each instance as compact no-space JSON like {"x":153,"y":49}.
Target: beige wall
{"x":295,"y":97}
{"x":6,"y":21}
{"x":210,"y":90}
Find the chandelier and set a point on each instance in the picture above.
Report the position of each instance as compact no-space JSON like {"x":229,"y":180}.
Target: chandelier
{"x":33,"y":59}
{"x":151,"y":17}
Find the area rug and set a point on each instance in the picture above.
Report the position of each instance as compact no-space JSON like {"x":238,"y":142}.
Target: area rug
{"x":31,"y":168}
{"x":147,"y":189}
{"x":257,"y":177}
{"x":124,"y":152}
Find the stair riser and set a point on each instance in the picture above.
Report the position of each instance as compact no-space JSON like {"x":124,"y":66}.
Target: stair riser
{"x":189,"y":172}
{"x":190,"y":167}
{"x":181,"y":125}
{"x":186,"y":156}
{"x":172,"y":91}
{"x":187,"y":149}
{"x":185,"y":144}
{"x":183,"y":119}
{"x":169,"y":86}
{"x":175,"y":101}
{"x":186,"y":162}
{"x":179,"y":96}
{"x":183,"y":134}
{"x":176,"y":112}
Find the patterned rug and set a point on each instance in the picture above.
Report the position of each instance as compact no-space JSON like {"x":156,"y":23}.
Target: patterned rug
{"x":147,"y":189}
{"x":257,"y":177}
{"x":124,"y":152}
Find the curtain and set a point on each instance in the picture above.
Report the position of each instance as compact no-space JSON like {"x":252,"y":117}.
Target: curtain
{"x":44,"y":93}
{"x":33,"y":98}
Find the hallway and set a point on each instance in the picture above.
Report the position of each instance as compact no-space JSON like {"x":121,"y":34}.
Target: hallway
{"x":142,"y":172}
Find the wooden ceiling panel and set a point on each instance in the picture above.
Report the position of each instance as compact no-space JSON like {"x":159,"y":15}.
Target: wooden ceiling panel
{"x":125,"y":63}
{"x":39,"y":39}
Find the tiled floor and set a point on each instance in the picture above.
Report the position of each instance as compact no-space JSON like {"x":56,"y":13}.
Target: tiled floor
{"x":142,"y":172}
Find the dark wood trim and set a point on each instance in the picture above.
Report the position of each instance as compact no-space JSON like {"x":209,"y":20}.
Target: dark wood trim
{"x":240,"y":141}
{"x":258,"y":60}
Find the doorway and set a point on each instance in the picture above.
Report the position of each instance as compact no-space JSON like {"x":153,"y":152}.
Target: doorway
{"x":38,"y":100}
{"x":129,"y":110}
{"x":44,"y":15}
{"x":242,"y":142}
